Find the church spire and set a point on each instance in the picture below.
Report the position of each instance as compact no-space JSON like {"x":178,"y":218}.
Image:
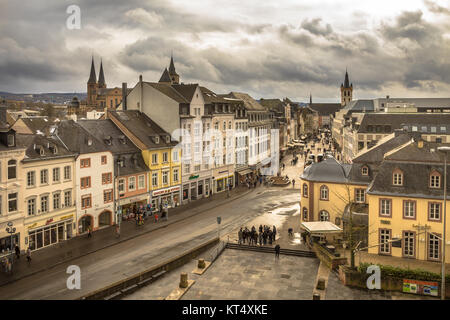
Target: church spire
{"x":346,"y":82}
{"x":92,"y":77}
{"x":101,"y":77}
{"x":310,"y":98}
{"x":172,"y":73}
{"x":165,"y":78}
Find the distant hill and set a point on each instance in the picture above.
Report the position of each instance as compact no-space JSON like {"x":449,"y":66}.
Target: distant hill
{"x":55,"y":98}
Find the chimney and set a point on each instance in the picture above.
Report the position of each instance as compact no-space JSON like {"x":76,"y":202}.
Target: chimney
{"x":387,"y":97}
{"x":3,"y":114}
{"x":124,"y":95}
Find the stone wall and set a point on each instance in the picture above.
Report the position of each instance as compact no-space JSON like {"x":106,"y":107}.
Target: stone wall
{"x":326,"y":257}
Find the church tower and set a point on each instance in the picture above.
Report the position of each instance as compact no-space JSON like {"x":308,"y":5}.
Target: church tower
{"x":92,"y":86}
{"x":101,"y":77}
{"x":346,"y":91}
{"x":173,"y":74}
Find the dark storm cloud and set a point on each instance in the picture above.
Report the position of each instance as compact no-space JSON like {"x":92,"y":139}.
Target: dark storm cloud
{"x":405,"y":50}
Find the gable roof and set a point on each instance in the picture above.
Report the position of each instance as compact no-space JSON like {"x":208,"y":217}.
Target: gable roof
{"x":169,"y":91}
{"x":328,"y":170}
{"x":165,"y":77}
{"x":249,"y":103}
{"x":325,"y":109}
{"x":186,"y":90}
{"x":43,"y":144}
{"x":397,"y":120}
{"x":211,"y":97}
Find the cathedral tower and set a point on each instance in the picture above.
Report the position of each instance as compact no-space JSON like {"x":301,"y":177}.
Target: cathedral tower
{"x":92,"y":86}
{"x":346,"y":91}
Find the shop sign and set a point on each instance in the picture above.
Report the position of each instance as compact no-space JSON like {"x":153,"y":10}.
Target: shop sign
{"x":425,"y":288}
{"x":49,"y":221}
{"x":70,"y":216}
{"x":192,"y":177}
{"x":385,"y":222}
{"x":33,"y":225}
{"x":225,"y":171}
{"x":166,"y":191}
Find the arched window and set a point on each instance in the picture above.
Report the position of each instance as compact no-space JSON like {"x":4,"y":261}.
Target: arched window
{"x":324,"y":216}
{"x":305,"y":190}
{"x":435,"y":179}
{"x":12,"y":168}
{"x":365,"y":170}
{"x":323,"y":192}
{"x":305,"y":214}
{"x":397,"y":177}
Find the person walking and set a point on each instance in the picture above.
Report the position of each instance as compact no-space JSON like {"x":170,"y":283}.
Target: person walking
{"x":16,"y":248}
{"x":240,"y":236}
{"x":156,"y":217}
{"x":29,"y":255}
{"x":277,"y":251}
{"x":260,"y":239}
{"x":293,"y":183}
{"x":89,"y":232}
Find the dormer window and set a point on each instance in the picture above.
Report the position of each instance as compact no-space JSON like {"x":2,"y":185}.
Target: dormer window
{"x":89,"y":141}
{"x":10,"y":140}
{"x":156,"y":140}
{"x":435,"y":180}
{"x":365,"y":171}
{"x":397,"y":178}
{"x":167,"y":139}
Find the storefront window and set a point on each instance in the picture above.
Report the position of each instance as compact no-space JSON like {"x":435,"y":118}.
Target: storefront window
{"x":220,"y":185}
{"x":185,"y":193}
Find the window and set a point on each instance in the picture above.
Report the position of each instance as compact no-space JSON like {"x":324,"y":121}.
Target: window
{"x":165,"y":157}
{"x":10,"y":140}
{"x":434,"y":211}
{"x":198,"y":167}
{"x":408,"y":244}
{"x":155,"y":179}
{"x":397,"y":178}
{"x":305,"y":190}
{"x":12,"y":202}
{"x":324,"y":216}
{"x":187,"y":168}
{"x":56,"y":201}
{"x":67,"y":174}
{"x":435,"y":180}
{"x":85,"y":163}
{"x":107,"y":196}
{"x":31,"y":179}
{"x":31,"y":206}
{"x":365,"y":171}
{"x":131,"y":183}
{"x":141,"y":182}
{"x":44,"y":204}
{"x":360,"y":195}
{"x":55,"y":174}
{"x":165,"y":177}
{"x":104,"y":159}
{"x":385,"y":237}
{"x":434,"y":249}
{"x":68,"y":198}
{"x":154,"y":158}
{"x":323,"y":193}
{"x":44,"y":176}
{"x":409,"y":209}
{"x":12,"y":166}
{"x":86,"y":202}
{"x":385,"y":207}
{"x":175,"y":175}
{"x":85,"y":182}
{"x":121,"y":185}
{"x":106,"y":178}
{"x":175,"y":155}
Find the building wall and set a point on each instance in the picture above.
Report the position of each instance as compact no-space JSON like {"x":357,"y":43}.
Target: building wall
{"x":398,"y":224}
{"x":97,"y":189}
{"x":64,"y":214}
{"x":339,"y":195}
{"x":161,"y":166}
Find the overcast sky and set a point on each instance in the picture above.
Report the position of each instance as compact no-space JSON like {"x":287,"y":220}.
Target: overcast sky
{"x":270,"y":48}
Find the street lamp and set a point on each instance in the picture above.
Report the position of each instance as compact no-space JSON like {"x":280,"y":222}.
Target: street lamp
{"x":11,"y":230}
{"x":445,"y":150}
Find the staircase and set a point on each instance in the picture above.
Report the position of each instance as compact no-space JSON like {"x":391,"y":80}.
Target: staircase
{"x":289,"y":252}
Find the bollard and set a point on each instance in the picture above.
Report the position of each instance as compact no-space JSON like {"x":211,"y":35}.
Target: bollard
{"x":316,"y":296}
{"x":201,"y":263}
{"x":321,"y":284}
{"x":183,"y":280}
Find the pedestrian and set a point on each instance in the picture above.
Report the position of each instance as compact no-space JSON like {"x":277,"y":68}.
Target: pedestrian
{"x":89,"y":232}
{"x":240,"y":236}
{"x":260,"y":228}
{"x":269,"y":235}
{"x":16,"y":248}
{"x":260,"y":238}
{"x":117,"y":231}
{"x":29,"y":255}
{"x":277,"y":251}
{"x":156,"y":217}
{"x":293,"y":183}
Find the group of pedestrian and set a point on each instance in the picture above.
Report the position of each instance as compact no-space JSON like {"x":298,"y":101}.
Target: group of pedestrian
{"x":263,"y":236}
{"x":253,"y":182}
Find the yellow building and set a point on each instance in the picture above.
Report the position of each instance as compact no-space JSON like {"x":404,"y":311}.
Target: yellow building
{"x":406,"y":203}
{"x":327,"y":190}
{"x":159,"y":154}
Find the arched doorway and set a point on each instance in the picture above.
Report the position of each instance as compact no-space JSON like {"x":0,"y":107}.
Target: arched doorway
{"x":104,"y":219}
{"x":84,"y":223}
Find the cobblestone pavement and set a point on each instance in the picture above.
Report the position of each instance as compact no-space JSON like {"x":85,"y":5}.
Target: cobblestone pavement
{"x":244,"y":275}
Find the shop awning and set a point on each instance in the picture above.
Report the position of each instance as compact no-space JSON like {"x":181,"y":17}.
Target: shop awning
{"x":244,"y":172}
{"x":322,"y":227}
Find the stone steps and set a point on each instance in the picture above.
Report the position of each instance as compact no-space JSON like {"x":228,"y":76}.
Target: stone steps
{"x":289,"y":252}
